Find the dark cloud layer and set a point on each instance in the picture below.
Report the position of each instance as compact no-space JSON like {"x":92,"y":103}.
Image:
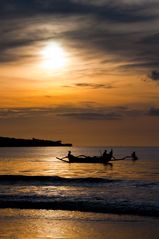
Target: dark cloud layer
{"x":92,"y":116}
{"x":107,"y":10}
{"x":92,"y":85}
{"x":153,"y":112}
{"x":126,"y":30}
{"x":87,"y":112}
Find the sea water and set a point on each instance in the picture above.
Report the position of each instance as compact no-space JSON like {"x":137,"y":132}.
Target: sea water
{"x":34,"y":178}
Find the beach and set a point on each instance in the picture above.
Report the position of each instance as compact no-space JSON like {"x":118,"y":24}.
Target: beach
{"x":66,"y":224}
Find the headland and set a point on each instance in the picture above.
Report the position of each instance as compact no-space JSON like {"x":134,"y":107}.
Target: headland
{"x":15,"y":142}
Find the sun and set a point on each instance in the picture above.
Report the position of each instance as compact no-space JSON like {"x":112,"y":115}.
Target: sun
{"x":53,"y":56}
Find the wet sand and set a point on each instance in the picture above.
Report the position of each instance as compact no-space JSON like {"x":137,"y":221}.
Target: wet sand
{"x":20,"y":224}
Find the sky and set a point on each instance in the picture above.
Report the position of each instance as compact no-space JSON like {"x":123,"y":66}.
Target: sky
{"x":81,"y":71}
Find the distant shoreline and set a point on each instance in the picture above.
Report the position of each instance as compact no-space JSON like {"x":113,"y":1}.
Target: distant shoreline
{"x":15,"y":142}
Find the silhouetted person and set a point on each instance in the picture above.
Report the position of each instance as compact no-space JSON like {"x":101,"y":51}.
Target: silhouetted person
{"x":134,"y":156}
{"x":105,"y":154}
{"x":111,"y":154}
{"x":69,"y":154}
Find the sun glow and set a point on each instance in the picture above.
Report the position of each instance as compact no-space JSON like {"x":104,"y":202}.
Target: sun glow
{"x":53,"y":57}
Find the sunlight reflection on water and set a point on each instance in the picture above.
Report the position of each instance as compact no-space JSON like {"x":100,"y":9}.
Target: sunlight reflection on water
{"x":42,"y":161}
{"x":22,"y":224}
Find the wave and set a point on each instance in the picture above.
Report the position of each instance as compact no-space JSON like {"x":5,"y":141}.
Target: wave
{"x":77,"y":204}
{"x":47,"y":180}
{"x":24,"y":180}
{"x":102,"y":195}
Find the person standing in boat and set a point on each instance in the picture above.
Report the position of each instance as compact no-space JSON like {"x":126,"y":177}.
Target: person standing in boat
{"x":108,"y":156}
{"x":111,"y":154}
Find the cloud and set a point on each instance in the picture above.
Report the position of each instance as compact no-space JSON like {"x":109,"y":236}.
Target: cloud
{"x":154,"y":75}
{"x":92,"y":85}
{"x":92,"y":116}
{"x":106,"y":9}
{"x":127,"y":31}
{"x":153,"y":112}
{"x":78,"y":113}
{"x":87,"y":111}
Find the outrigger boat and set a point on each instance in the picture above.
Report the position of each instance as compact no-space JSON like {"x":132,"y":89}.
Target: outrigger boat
{"x":95,"y":159}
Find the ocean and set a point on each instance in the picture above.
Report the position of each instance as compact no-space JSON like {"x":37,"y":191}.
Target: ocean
{"x":35,"y":187}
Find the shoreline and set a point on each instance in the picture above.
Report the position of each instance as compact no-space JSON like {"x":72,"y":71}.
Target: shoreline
{"x":80,"y":206}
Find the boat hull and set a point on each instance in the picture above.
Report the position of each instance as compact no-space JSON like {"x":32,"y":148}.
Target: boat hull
{"x":88,"y":160}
